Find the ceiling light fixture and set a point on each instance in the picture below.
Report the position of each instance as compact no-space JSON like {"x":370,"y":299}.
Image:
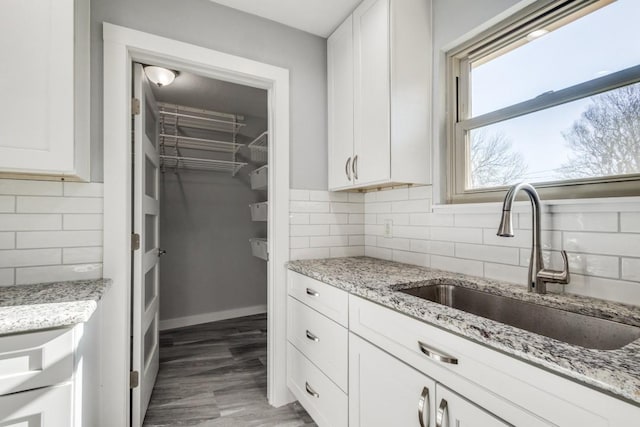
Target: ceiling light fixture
{"x":160,"y":76}
{"x":537,"y":34}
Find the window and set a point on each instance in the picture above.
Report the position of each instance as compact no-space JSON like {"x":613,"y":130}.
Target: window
{"x":551,"y":97}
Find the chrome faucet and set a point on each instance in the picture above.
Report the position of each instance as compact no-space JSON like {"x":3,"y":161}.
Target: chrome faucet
{"x":538,"y":275}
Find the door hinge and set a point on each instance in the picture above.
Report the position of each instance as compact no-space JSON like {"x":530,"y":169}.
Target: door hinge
{"x":135,"y":106}
{"x":134,"y":379}
{"x":135,"y":241}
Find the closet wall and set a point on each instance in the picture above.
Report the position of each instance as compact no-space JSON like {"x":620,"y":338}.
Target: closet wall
{"x":208,"y":271}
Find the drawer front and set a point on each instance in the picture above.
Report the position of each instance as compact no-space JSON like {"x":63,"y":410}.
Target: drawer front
{"x":323,"y":400}
{"x":330,"y":301}
{"x":36,"y":359}
{"x":321,"y":340}
{"x":48,"y":406}
{"x":527,"y":390}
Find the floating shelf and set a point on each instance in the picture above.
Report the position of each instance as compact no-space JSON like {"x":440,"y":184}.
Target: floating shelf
{"x":200,"y":164}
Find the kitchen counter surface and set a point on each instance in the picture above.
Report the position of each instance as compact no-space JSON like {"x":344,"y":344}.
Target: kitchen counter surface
{"x":613,"y":371}
{"x":29,"y":308}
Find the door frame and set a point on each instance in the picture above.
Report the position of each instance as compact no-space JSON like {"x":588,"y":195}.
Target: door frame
{"x":122,"y":46}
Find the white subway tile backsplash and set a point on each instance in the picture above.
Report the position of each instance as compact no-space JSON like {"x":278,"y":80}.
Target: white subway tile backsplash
{"x":378,"y":207}
{"x":22,"y":187}
{"x":328,"y":218}
{"x":82,"y":221}
{"x":597,"y":287}
{"x":356,"y":197}
{"x":298,"y":218}
{"x":591,"y":265}
{"x":630,"y":222}
{"x":422,"y":192}
{"x":500,"y":254}
{"x":631,"y":269}
{"x":491,"y":221}
{"x":308,"y":206}
{"x":348,"y":230}
{"x":370,"y":218}
{"x":410,"y":206}
{"x":393,"y":195}
{"x":596,"y":221}
{"x":376,"y":252}
{"x":411,"y":232}
{"x":351,"y":208}
{"x":7,"y":277}
{"x":7,"y":240}
{"x":328,"y":241}
{"x":30,"y":257}
{"x":414,"y":258}
{"x":397,"y":219}
{"x":7,"y":204}
{"x":55,"y":273}
{"x":356,"y":241}
{"x":506,"y":273}
{"x":83,"y":189}
{"x":356,"y":219}
{"x":82,"y":255}
{"x":328,"y":196}
{"x":309,"y":230}
{"x":394,"y":243}
{"x":35,"y":204}
{"x":456,"y":265}
{"x":452,"y":234}
{"x":603,"y":243}
{"x":310,"y":253}
{"x":57,"y":239}
{"x":24,"y":222}
{"x":346,"y":251}
{"x":299,"y":242}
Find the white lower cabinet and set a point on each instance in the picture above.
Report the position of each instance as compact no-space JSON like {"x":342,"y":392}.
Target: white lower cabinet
{"x":43,"y":407}
{"x":454,"y":410}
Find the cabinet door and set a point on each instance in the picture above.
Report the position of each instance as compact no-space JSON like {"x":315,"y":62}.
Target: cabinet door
{"x":385,"y":392}
{"x":340,"y":99}
{"x":455,"y":411}
{"x":372,"y":147}
{"x":40,"y":85}
{"x":47,"y":406}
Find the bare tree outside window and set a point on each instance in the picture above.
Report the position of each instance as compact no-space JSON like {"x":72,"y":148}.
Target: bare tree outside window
{"x":606,"y":139}
{"x":493,"y":162}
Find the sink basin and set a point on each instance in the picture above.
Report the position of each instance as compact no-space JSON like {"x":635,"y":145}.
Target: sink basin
{"x":572,"y":328}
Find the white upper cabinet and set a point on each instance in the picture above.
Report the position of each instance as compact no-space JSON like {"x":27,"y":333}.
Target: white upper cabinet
{"x":44,"y":82}
{"x":379,"y":78}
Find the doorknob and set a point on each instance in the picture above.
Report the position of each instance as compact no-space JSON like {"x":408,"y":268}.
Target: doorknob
{"x":161,"y":252}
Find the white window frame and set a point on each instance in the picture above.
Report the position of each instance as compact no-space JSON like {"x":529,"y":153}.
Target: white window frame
{"x":547,"y":13}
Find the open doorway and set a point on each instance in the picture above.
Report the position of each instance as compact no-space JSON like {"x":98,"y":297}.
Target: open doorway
{"x":124,"y":47}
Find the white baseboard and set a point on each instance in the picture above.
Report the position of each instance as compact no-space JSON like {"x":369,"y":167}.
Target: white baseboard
{"x":180,"y":322}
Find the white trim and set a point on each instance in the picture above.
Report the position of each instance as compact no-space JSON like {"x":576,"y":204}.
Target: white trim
{"x":601,"y":204}
{"x":214,"y":316}
{"x":121,"y":47}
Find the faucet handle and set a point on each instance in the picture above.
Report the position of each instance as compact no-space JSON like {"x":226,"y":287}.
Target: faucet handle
{"x":556,"y":276}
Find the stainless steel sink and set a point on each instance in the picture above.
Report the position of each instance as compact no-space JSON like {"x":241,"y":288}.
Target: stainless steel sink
{"x":572,"y":328}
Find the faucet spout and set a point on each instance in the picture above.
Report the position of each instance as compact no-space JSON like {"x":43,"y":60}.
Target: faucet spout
{"x":506,"y":230}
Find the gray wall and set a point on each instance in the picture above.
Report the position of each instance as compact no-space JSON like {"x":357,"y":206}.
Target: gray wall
{"x":207,"y":24}
{"x":205,"y":226}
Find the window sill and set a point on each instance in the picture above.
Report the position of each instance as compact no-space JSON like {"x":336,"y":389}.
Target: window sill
{"x":603,"y":204}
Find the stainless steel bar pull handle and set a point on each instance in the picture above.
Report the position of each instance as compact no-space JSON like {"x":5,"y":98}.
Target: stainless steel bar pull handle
{"x":422,"y":403}
{"x":310,"y":390}
{"x":347,"y":168}
{"x":312,"y":337}
{"x":438,"y":355}
{"x":355,"y":167}
{"x":312,"y":293}
{"x":443,"y":410}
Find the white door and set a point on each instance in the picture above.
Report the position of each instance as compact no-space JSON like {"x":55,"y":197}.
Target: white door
{"x":340,"y":99}
{"x":146,"y":215}
{"x":372,"y":146}
{"x":455,"y":411}
{"x":386,"y":392}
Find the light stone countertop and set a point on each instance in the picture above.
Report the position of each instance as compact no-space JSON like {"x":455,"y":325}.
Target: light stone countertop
{"x":613,"y":371}
{"x":28,"y":308}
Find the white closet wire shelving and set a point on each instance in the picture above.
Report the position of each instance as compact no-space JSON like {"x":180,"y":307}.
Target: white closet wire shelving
{"x":260,"y":147}
{"x":177,"y":127}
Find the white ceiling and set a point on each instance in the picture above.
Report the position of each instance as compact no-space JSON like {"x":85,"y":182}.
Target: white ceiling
{"x":319,"y":17}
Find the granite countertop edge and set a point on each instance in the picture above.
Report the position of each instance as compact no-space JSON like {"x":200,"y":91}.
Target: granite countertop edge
{"x":614,"y":371}
{"x":34,"y":307}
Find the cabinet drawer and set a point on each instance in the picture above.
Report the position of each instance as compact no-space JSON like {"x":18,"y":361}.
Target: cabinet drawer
{"x":321,"y":340}
{"x":323,"y":400}
{"x":330,"y":301}
{"x":480,"y":369}
{"x":36,"y":359}
{"x":49,"y":406}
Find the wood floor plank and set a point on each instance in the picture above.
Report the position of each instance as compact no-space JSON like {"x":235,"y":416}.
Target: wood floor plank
{"x":215,"y":375}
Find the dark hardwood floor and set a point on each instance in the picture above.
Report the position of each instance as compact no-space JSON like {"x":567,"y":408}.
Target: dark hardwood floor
{"x":215,"y":374}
